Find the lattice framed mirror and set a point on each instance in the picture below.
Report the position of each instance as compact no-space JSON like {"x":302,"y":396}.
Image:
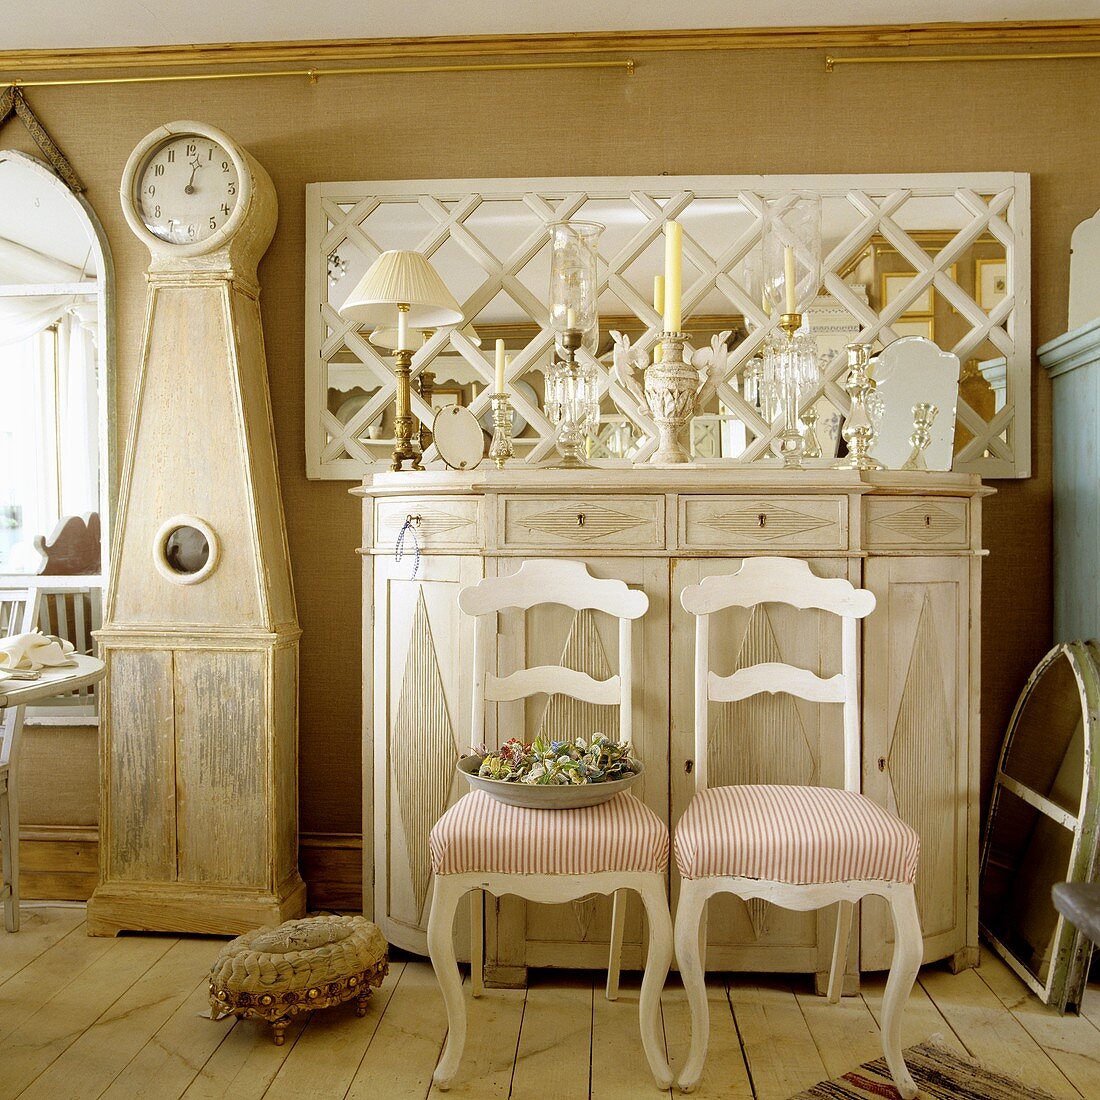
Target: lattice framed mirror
{"x":944,"y":256}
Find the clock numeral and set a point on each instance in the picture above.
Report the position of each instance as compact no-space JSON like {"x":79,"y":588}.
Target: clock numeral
{"x":191,"y":231}
{"x":232,"y":187}
{"x":151,"y":190}
{"x":213,"y":222}
{"x":225,"y":166}
{"x":210,"y":153}
{"x":171,"y":156}
{"x":156,"y":211}
{"x":191,"y":147}
{"x":158,"y":169}
{"x":225,"y":209}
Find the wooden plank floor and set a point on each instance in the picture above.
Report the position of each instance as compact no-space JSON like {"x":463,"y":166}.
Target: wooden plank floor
{"x":126,"y":1019}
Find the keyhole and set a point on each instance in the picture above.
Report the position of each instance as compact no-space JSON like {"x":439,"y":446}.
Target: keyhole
{"x":580,"y":519}
{"x":762,"y":519}
{"x":882,"y":763}
{"x":689,"y":766}
{"x":927,"y":521}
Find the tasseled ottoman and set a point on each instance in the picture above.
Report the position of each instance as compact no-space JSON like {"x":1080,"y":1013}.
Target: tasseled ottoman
{"x":273,"y":973}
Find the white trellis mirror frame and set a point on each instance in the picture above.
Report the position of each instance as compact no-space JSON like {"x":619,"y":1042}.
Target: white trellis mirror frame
{"x":944,"y":255}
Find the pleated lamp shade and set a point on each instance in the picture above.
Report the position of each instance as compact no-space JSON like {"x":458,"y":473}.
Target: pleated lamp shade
{"x":387,"y":337}
{"x":401,"y":278}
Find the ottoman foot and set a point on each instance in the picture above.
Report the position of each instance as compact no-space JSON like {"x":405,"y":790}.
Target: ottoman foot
{"x":361,"y":1002}
{"x":279,"y":1028}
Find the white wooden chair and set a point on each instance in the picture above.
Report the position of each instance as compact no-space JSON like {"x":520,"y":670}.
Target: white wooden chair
{"x":798,"y":847}
{"x":550,"y":855}
{"x":19,"y":610}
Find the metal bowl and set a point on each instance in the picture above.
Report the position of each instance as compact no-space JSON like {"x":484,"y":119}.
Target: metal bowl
{"x":534,"y":796}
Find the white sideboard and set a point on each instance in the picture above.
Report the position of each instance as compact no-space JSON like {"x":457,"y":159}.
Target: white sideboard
{"x":913,"y":539}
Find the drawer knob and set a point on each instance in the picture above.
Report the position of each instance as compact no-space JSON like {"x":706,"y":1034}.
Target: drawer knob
{"x":762,"y":519}
{"x":580,"y":519}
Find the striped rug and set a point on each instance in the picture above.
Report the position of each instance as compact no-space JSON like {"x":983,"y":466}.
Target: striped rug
{"x":940,"y":1075}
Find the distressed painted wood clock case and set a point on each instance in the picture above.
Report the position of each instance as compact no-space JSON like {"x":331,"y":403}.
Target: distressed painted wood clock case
{"x":912,"y":539}
{"x":199,"y":723}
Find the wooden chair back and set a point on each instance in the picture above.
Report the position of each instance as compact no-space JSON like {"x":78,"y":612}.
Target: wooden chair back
{"x":19,"y":610}
{"x":787,"y":581}
{"x":550,"y":581}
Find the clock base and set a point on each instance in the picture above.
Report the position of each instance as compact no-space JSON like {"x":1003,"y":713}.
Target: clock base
{"x":210,"y":910}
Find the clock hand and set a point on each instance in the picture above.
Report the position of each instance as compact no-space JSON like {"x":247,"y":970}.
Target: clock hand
{"x":196,"y":164}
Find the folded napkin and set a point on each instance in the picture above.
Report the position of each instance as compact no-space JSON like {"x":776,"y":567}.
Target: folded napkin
{"x":34,"y":651}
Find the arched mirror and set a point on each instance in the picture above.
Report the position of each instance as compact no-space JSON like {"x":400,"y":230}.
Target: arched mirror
{"x":55,"y":385}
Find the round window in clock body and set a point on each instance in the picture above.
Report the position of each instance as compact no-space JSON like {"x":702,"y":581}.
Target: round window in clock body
{"x":185,"y":188}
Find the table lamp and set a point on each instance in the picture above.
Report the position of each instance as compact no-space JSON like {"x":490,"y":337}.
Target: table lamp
{"x":403,"y":283}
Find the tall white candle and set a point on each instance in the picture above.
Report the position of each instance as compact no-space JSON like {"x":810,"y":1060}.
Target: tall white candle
{"x":570,"y":319}
{"x":502,"y":363}
{"x":788,"y":279}
{"x":674,"y":240}
{"x":659,"y":293}
{"x":402,"y":329}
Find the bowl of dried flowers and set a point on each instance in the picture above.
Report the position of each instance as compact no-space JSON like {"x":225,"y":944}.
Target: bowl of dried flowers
{"x":553,"y":775}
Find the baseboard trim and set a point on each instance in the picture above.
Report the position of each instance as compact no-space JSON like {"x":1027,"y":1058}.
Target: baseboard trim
{"x":61,"y":863}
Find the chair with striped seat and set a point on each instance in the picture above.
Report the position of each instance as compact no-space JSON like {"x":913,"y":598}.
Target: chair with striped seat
{"x":550,"y":855}
{"x":798,"y":847}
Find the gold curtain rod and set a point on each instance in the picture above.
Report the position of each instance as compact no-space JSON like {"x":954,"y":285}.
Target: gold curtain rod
{"x":900,"y":59}
{"x":314,"y":75}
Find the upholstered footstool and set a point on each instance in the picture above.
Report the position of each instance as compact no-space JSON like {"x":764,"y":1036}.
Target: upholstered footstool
{"x":274,"y":973}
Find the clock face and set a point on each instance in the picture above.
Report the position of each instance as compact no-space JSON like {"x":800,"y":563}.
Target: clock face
{"x":186,"y":189}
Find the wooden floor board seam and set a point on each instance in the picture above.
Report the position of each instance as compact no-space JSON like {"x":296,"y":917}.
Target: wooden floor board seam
{"x":740,"y":1040}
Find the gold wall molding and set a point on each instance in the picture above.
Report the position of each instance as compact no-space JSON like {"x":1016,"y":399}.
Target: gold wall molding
{"x":739,"y":38}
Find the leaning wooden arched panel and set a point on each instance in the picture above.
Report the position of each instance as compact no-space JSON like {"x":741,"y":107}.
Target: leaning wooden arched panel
{"x":1042,"y":825}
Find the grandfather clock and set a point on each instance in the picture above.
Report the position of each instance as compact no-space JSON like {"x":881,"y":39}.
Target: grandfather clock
{"x":199,"y":715}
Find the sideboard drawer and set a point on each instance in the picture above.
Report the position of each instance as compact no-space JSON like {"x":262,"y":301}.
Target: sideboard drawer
{"x":890,"y":522}
{"x":622,"y":521}
{"x":763,"y":523}
{"x":448,"y":523}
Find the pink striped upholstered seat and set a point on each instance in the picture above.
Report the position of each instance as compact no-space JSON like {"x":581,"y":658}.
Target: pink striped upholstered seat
{"x":793,"y":835}
{"x":480,"y":834}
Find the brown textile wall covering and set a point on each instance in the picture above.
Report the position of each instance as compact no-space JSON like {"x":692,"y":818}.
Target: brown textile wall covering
{"x":722,"y":112}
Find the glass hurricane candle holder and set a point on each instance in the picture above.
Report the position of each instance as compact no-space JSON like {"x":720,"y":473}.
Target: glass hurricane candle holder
{"x":792,"y":252}
{"x":573,"y":257}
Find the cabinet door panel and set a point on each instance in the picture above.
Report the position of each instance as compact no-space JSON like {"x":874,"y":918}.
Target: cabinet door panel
{"x":423,"y":650}
{"x":765,"y":739}
{"x":578,"y":933}
{"x":916,"y":737}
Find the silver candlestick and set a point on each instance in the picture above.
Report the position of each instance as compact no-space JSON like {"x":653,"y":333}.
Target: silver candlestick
{"x":859,"y":430}
{"x":923,"y":416}
{"x":501,"y":449}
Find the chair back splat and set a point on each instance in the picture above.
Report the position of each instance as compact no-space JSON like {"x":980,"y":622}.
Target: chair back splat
{"x":550,"y":581}
{"x":787,"y":581}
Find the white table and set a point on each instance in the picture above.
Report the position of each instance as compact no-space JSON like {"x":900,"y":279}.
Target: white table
{"x":53,"y":681}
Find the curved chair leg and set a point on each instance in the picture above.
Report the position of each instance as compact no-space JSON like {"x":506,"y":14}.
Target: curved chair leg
{"x":615,"y":958}
{"x":908,"y":950}
{"x":441,"y":948}
{"x":658,"y":959}
{"x":9,"y":876}
{"x":840,"y":950}
{"x":689,"y":914}
{"x":477,"y":943}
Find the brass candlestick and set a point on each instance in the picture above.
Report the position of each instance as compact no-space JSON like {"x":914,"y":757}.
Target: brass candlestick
{"x":923,"y":416}
{"x":501,"y":448}
{"x":403,"y":448}
{"x":859,"y":431}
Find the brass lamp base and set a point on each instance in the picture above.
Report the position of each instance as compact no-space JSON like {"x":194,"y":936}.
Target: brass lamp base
{"x":406,"y":447}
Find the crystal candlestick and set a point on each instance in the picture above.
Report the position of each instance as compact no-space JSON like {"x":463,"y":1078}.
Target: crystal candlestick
{"x":923,"y":416}
{"x":501,"y":448}
{"x":572,"y":401}
{"x":813,"y":444}
{"x":859,"y":431}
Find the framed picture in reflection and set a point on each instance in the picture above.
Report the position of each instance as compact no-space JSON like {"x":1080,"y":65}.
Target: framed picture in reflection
{"x":990,"y":282}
